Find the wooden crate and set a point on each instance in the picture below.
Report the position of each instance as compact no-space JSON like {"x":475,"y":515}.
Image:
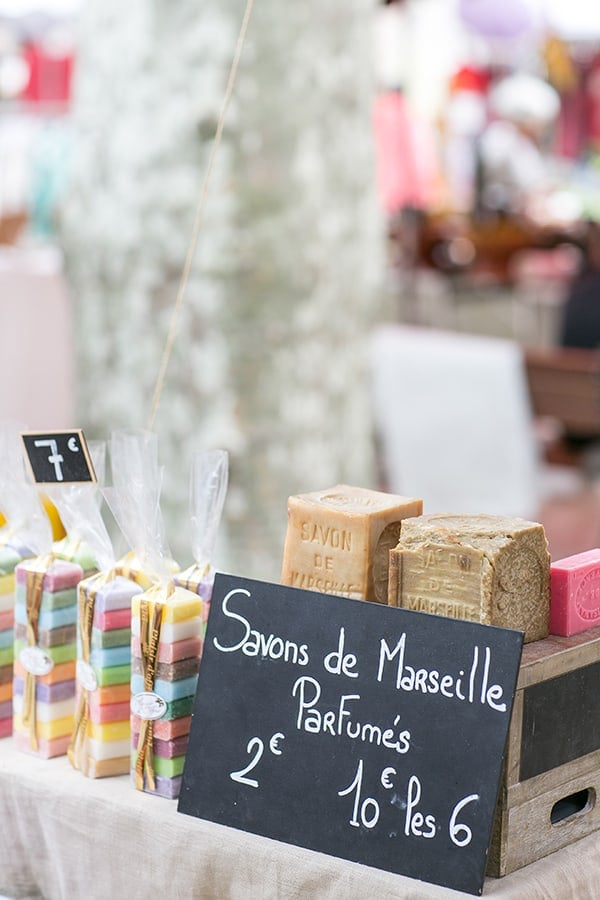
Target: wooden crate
{"x":550,"y":792}
{"x":564,"y":384}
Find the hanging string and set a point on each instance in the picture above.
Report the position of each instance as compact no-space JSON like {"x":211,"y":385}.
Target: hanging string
{"x":198,"y":219}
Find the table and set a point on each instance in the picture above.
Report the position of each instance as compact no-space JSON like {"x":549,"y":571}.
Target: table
{"x":65,"y":837}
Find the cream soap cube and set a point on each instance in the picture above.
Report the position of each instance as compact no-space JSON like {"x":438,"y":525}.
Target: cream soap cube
{"x":338,"y":540}
{"x":482,"y":568}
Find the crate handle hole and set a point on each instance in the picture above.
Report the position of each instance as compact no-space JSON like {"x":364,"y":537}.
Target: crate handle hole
{"x":574,"y":805}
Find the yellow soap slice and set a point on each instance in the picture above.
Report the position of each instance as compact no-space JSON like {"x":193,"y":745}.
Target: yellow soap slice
{"x":47,"y":731}
{"x":7,"y":583}
{"x":180,"y":606}
{"x":109,"y":731}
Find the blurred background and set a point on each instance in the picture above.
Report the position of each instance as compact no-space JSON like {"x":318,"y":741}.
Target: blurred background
{"x":397,"y":278}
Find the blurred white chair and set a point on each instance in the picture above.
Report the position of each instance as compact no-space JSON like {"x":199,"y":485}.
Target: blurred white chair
{"x":453,"y":422}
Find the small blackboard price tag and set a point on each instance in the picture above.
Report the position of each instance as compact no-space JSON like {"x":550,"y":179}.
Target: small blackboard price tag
{"x":366,"y":732}
{"x":61,"y":457}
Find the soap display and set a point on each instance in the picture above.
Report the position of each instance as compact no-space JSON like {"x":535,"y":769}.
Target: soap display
{"x":575,"y":593}
{"x":45,"y":651}
{"x":338,"y":540}
{"x":482,"y":568}
{"x":9,"y":558}
{"x":25,"y":533}
{"x":166,"y":641}
{"x":100,"y":744}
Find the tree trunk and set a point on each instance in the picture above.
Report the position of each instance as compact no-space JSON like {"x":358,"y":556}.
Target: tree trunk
{"x":269,"y":357}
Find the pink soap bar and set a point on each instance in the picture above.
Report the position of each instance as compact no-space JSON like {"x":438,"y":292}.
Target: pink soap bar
{"x":57,"y":577}
{"x":575,"y":593}
{"x":165,"y":729}
{"x":108,"y":712}
{"x":6,"y":727}
{"x":7,"y":619}
{"x":46,"y":749}
{"x":115,"y":618}
{"x":169,"y":653}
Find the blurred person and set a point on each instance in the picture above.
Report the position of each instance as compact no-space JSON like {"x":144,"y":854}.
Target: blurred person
{"x":514,"y":173}
{"x":580,"y":325}
{"x":404,"y":152}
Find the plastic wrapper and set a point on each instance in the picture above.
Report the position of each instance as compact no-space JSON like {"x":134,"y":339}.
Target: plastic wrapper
{"x":26,"y":532}
{"x":100,"y":738}
{"x":208,"y":488}
{"x":86,"y":542}
{"x":45,"y":652}
{"x":46,"y":615}
{"x":134,"y":500}
{"x":166,"y":621}
{"x":101,"y":732}
{"x":166,"y":642}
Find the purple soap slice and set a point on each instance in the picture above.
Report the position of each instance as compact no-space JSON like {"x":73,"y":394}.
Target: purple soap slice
{"x":166,"y":749}
{"x":47,"y":693}
{"x":165,"y":787}
{"x":116,"y":594}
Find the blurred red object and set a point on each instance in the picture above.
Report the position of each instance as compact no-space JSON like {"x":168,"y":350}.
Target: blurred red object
{"x":50,"y":75}
{"x":468,"y":78}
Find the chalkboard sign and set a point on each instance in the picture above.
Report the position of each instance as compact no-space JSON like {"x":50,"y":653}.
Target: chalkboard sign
{"x":58,"y":458}
{"x":367,"y":732}
{"x":561,"y":720}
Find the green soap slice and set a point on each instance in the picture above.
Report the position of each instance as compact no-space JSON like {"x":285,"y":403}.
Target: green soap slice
{"x":166,"y":768}
{"x":116,"y":637}
{"x":112,"y":675}
{"x":176,"y":709}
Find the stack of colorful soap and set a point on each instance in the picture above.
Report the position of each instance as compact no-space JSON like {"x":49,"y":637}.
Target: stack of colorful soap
{"x":199,"y":580}
{"x":166,"y":627}
{"x":45,"y":650}
{"x":101,"y":736}
{"x":9,"y":558}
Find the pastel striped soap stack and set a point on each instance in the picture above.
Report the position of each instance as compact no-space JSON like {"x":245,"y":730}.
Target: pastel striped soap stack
{"x":45,"y":652}
{"x":9,"y":558}
{"x":100,"y":744}
{"x":166,"y":641}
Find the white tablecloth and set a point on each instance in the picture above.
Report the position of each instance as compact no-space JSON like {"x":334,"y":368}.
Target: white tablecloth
{"x":65,"y":836}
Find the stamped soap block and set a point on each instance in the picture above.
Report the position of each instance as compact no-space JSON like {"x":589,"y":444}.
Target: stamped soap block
{"x":482,"y":568}
{"x":338,"y":540}
{"x":575,"y":593}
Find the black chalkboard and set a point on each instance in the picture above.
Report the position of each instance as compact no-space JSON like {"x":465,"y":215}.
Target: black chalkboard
{"x":367,"y":732}
{"x":61,"y":457}
{"x":553,"y":713}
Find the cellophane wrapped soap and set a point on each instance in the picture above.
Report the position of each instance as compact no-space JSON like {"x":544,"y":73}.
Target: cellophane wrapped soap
{"x":26,"y":533}
{"x":9,"y":558}
{"x":100,"y":744}
{"x":166,"y":640}
{"x":45,"y":651}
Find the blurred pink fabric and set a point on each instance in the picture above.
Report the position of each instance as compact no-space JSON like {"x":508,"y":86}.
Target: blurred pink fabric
{"x":405,"y":167}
